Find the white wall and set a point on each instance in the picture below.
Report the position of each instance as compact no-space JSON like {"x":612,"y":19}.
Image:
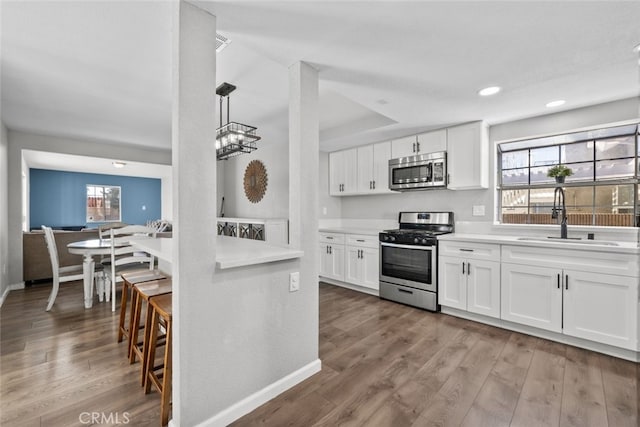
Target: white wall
{"x":461,"y":202}
{"x":273,"y":151}
{"x":19,"y":141}
{"x":4,"y":210}
{"x":330,"y":207}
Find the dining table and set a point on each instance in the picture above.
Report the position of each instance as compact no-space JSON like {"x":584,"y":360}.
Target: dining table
{"x":88,"y":249}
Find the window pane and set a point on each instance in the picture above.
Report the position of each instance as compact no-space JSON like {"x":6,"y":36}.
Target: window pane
{"x":515,"y":177}
{"x":515,"y":198}
{"x":612,"y":169}
{"x":615,"y":195}
{"x":578,"y":152}
{"x":515,"y":159}
{"x":539,"y":175}
{"x":515,"y":216}
{"x":578,"y":196}
{"x":615,"y":148}
{"x":613,"y":216}
{"x":581,"y":172}
{"x":541,"y":200}
{"x":544,"y":156}
{"x":103,"y":203}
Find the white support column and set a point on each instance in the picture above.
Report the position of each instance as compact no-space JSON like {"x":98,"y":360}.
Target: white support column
{"x":194,"y":209}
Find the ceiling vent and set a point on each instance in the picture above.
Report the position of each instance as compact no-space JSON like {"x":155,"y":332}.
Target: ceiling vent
{"x":221,"y":42}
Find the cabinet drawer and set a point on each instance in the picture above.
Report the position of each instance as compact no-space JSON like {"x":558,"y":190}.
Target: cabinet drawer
{"x":337,"y":238}
{"x":471,"y":250}
{"x":362,"y":240}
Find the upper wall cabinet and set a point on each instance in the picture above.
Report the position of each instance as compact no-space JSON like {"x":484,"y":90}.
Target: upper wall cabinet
{"x":413,"y":145}
{"x":468,"y":156}
{"x":343,"y":172}
{"x":373,"y":168}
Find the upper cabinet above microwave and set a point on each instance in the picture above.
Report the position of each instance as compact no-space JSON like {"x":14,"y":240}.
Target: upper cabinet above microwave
{"x":429,"y":142}
{"x":362,"y":170}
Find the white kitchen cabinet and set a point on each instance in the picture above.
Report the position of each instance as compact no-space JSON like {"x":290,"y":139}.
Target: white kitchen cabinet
{"x":573,"y":292}
{"x":601,"y":308}
{"x":343,"y":178}
{"x":362,"y":261}
{"x":332,"y":261}
{"x":431,"y":142}
{"x":404,"y":147}
{"x":532,"y":295}
{"x":469,"y":277}
{"x":373,"y":168}
{"x":468,"y":157}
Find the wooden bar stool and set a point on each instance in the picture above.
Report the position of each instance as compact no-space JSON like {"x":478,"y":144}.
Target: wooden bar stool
{"x":142,"y":293}
{"x":160,"y":376}
{"x":130,"y":279}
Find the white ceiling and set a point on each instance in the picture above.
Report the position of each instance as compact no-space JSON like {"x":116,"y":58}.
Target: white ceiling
{"x":102,"y":70}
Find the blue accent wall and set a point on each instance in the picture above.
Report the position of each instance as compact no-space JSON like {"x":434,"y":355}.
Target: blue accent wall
{"x":58,"y":199}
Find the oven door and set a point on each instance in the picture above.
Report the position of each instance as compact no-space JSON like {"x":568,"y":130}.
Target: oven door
{"x":407,"y":265}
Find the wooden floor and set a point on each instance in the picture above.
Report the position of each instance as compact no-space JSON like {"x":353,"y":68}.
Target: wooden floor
{"x":59,"y":367}
{"x":383,"y":364}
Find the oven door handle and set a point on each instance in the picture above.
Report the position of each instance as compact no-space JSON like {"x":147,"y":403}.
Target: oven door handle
{"x":395,"y":245}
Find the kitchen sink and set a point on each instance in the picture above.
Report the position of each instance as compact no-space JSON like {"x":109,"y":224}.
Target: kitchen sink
{"x":558,"y":240}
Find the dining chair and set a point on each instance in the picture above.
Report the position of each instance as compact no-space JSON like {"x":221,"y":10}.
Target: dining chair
{"x":60,"y":274}
{"x":124,"y":257}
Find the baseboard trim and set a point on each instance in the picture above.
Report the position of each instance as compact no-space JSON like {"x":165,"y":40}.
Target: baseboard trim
{"x":12,"y":287}
{"x":251,"y":402}
{"x":364,"y":290}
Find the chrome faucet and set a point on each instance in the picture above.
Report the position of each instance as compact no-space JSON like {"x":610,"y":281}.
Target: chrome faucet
{"x":559,"y":205}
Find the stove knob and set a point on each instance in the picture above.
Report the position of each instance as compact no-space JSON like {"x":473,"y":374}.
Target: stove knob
{"x":416,"y":240}
{"x":392,"y":239}
{"x":424,"y":241}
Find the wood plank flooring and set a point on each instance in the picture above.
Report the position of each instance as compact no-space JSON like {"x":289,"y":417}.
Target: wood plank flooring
{"x":383,"y":364}
{"x":59,"y":367}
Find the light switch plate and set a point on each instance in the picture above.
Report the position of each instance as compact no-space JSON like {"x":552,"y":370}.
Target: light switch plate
{"x":294,"y":281}
{"x":478,"y":210}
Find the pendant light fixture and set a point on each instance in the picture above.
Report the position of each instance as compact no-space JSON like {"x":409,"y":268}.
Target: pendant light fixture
{"x":232,"y":138}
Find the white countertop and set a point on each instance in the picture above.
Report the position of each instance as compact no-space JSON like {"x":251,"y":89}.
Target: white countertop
{"x":231,"y":252}
{"x":351,"y":230}
{"x":588,"y":245}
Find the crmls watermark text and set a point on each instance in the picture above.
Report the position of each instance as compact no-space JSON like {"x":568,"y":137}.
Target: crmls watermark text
{"x":104,"y":418}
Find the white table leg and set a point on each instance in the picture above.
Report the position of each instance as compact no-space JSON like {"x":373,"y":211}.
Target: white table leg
{"x":87,"y":269}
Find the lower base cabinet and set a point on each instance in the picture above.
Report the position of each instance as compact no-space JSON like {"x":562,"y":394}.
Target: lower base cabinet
{"x":588,"y":305}
{"x":332,"y":261}
{"x":470,"y":284}
{"x":350,"y":258}
{"x":362,"y":267}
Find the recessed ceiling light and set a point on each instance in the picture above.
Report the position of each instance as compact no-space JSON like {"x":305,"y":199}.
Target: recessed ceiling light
{"x":491,"y":90}
{"x":118,"y":165}
{"x":556,"y":103}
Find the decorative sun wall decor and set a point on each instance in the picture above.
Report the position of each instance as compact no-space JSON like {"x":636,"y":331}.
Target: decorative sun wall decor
{"x":255,"y":181}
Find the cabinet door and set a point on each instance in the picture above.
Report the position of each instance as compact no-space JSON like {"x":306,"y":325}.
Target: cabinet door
{"x":353,"y":266}
{"x":431,"y":142}
{"x":468,"y":157}
{"x":370,"y":262}
{"x":452,"y":283}
{"x":403,"y":147}
{"x":336,"y":173}
{"x":337,"y":261}
{"x":381,"y":157}
{"x":324,"y":260}
{"x":532,"y":296}
{"x":601,"y":307}
{"x":483,"y":287}
{"x":350,"y":171}
{"x":365,"y":169}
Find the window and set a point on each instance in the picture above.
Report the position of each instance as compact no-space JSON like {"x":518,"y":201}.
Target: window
{"x":603,"y":189}
{"x":103,"y":203}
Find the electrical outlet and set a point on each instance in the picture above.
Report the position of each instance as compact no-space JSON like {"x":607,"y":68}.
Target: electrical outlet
{"x":294,"y":281}
{"x":478,"y":210}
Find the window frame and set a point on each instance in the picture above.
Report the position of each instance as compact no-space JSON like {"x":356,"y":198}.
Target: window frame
{"x":629,"y":129}
{"x":89,"y":218}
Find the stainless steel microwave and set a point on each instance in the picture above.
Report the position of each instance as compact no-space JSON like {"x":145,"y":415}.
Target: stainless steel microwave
{"x":419,"y":172}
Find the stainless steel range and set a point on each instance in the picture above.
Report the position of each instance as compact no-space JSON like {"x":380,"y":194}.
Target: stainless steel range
{"x":409,"y":258}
